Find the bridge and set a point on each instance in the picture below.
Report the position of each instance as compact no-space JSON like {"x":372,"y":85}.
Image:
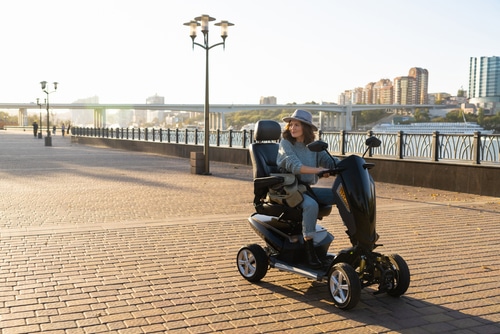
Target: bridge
{"x":218,"y":111}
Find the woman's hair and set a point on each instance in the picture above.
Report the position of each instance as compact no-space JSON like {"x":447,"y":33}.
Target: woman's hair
{"x":308,"y":131}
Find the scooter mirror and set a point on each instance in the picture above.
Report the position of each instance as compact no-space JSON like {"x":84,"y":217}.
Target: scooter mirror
{"x":373,"y":142}
{"x":317,"y":146}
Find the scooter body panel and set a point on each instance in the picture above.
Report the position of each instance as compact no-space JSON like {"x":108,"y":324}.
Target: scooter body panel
{"x":288,"y":247}
{"x":354,"y":194}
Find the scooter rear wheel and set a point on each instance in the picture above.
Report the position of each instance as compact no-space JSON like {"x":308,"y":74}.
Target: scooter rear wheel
{"x":252,"y":262}
{"x":344,"y":286}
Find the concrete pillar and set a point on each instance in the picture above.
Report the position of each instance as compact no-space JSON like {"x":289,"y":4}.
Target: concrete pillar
{"x":222,"y":121}
{"x":348,"y":117}
{"x":330,"y":120}
{"x":341,"y":121}
{"x":216,"y":121}
{"x":321,"y":119}
{"x":99,"y":118}
{"x":96,"y":118}
{"x":22,"y":117}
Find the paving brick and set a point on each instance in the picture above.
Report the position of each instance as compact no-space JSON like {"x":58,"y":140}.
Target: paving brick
{"x":55,"y":325}
{"x":13,"y":323}
{"x":21,"y":329}
{"x":96,"y":240}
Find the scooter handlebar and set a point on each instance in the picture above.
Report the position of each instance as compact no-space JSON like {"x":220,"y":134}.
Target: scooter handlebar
{"x":331,"y":172}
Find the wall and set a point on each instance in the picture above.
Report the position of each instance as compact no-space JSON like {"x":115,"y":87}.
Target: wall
{"x":233,"y":155}
{"x":464,"y":178}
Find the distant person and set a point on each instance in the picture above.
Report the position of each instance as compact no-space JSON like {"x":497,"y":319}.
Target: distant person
{"x":69,"y":126}
{"x":54,"y":130}
{"x":35,"y":128}
{"x":62,"y":129}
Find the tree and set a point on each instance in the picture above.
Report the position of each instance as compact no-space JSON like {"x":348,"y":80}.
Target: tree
{"x":492,"y":123}
{"x":422,"y":115}
{"x":454,"y":116}
{"x":7,"y":118}
{"x":480,"y":116}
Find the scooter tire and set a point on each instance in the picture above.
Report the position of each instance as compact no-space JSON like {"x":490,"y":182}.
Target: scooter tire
{"x":344,"y":286}
{"x":252,"y":262}
{"x":402,"y":280}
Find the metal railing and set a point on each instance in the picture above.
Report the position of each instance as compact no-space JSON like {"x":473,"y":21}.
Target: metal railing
{"x":476,"y":148}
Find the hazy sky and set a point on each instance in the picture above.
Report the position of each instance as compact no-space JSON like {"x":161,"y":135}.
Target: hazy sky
{"x":299,"y":51}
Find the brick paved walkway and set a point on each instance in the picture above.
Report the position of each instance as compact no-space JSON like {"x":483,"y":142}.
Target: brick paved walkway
{"x":94,"y":240}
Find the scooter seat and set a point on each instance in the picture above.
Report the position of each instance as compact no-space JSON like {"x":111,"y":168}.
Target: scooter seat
{"x":287,"y":213}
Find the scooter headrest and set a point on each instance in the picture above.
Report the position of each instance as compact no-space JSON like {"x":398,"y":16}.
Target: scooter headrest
{"x":267,"y":130}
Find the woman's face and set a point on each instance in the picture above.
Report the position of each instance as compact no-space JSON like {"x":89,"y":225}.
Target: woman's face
{"x":296,"y":130}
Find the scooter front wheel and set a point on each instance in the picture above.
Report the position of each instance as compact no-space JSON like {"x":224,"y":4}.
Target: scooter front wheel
{"x":402,"y":276}
{"x":252,"y":262}
{"x":344,"y":286}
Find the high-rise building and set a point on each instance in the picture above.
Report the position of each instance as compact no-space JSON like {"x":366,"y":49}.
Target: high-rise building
{"x":404,"y":90}
{"x":357,"y":95}
{"x":484,"y":83}
{"x":84,"y":117}
{"x":154,"y":116}
{"x":345,"y":97}
{"x":411,"y":89}
{"x":368,"y":93}
{"x":419,"y":92}
{"x":383,"y":92}
{"x":268,"y":100}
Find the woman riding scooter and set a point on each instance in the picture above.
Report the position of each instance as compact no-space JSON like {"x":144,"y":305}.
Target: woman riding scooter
{"x":294,"y":157}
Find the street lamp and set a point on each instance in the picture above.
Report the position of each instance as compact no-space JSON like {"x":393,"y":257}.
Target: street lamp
{"x":193,"y":24}
{"x":48,"y":139}
{"x":40,"y":135}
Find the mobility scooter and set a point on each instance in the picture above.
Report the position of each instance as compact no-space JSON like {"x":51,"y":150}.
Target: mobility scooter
{"x":279,"y":225}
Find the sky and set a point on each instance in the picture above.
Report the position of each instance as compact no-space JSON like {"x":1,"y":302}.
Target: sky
{"x":298,"y":51}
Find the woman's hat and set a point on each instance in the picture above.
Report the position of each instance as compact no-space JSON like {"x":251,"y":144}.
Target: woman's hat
{"x":302,"y":116}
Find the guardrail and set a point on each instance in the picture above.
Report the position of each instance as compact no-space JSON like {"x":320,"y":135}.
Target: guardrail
{"x":476,"y":148}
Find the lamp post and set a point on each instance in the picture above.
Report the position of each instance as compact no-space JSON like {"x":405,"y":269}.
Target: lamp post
{"x":193,"y":24}
{"x":48,"y":139}
{"x":40,"y":135}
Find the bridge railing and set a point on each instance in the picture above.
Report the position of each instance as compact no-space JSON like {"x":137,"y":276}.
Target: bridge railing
{"x":476,"y":148}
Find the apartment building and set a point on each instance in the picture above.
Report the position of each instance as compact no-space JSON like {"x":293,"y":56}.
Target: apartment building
{"x":410,"y":89}
{"x":484,"y":83}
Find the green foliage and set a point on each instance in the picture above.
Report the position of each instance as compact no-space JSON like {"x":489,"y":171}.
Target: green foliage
{"x":457,"y":115}
{"x":480,"y":116}
{"x":403,"y":120}
{"x":370,"y":116}
{"x":492,"y":123}
{"x":241,"y":118}
{"x":8,"y":119}
{"x":422,"y":115}
{"x":488,"y":122}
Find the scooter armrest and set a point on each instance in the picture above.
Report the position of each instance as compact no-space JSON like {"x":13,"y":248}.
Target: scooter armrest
{"x":267,"y":181}
{"x":261,"y":186}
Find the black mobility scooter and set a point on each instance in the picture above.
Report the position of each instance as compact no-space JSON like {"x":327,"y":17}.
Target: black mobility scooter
{"x":280,"y":227}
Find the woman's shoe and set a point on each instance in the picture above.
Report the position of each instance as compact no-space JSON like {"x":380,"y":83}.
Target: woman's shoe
{"x":312,"y":257}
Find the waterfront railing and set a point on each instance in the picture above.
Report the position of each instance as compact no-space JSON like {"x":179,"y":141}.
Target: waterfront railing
{"x":457,"y":148}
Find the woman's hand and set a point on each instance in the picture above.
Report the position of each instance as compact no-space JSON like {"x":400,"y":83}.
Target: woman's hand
{"x":323,"y":172}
